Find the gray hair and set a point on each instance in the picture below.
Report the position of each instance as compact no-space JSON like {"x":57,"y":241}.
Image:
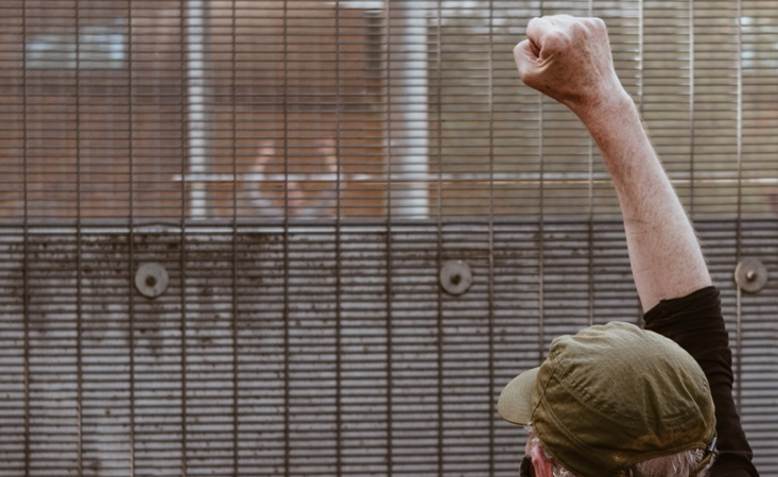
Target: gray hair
{"x":682,"y":464}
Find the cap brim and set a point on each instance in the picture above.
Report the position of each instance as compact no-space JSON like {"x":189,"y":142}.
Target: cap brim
{"x":515,"y":403}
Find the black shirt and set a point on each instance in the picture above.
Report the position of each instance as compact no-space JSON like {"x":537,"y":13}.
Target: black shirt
{"x":696,"y":323}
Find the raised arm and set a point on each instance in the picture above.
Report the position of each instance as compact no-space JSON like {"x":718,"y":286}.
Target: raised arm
{"x":570,"y":60}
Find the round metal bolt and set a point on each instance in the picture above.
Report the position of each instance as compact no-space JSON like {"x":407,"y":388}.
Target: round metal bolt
{"x":455,"y":277}
{"x":751,"y":275}
{"x":151,"y":280}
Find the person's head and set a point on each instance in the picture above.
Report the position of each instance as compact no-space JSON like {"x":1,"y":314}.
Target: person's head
{"x":614,"y":400}
{"x":300,"y":176}
{"x":537,"y":463}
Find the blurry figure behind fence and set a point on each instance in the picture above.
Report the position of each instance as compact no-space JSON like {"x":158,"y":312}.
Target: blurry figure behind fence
{"x":301,"y":178}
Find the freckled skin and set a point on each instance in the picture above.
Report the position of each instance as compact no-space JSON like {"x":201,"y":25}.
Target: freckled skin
{"x":569,"y":59}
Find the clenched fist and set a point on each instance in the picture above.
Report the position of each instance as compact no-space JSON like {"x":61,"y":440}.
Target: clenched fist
{"x":569,"y":59}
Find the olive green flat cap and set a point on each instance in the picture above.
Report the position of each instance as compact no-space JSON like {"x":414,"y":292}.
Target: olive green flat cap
{"x":612,"y":396}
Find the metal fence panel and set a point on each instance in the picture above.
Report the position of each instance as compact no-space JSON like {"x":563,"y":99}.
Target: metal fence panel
{"x":316,"y":351}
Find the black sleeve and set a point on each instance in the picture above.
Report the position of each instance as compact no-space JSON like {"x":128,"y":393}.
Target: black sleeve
{"x":696,"y":323}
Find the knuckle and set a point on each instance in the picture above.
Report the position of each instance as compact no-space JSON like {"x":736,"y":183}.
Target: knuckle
{"x":578,"y":28}
{"x":529,"y":78}
{"x":557,"y":41}
{"x":532,"y":22}
{"x":598,"y":23}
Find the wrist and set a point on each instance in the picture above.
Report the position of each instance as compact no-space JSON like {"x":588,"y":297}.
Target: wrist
{"x":613,"y":113}
{"x":614,"y":103}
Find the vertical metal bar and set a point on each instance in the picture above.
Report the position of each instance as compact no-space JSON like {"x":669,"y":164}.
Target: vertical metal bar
{"x":79,"y":354}
{"x":186,"y":137}
{"x":439,"y":249}
{"x":490,"y":388}
{"x":235,"y":309}
{"x":131,"y":241}
{"x":590,"y":221}
{"x":338,"y":291}
{"x":388,"y":284}
{"x":739,"y":223}
{"x":641,"y":52}
{"x":195,"y":99}
{"x":641,"y":80}
{"x":692,"y":129}
{"x":541,"y":226}
{"x":25,"y":251}
{"x":287,"y":443}
{"x":738,"y":339}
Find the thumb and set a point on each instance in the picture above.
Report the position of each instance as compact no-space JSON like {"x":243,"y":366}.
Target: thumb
{"x":526,"y":56}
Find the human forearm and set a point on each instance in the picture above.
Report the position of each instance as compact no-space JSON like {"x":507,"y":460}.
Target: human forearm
{"x":664,"y":253}
{"x":570,"y":60}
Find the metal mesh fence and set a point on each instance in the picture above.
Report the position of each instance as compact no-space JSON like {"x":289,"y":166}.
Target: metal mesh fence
{"x":311,"y":351}
{"x":302,"y":170}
